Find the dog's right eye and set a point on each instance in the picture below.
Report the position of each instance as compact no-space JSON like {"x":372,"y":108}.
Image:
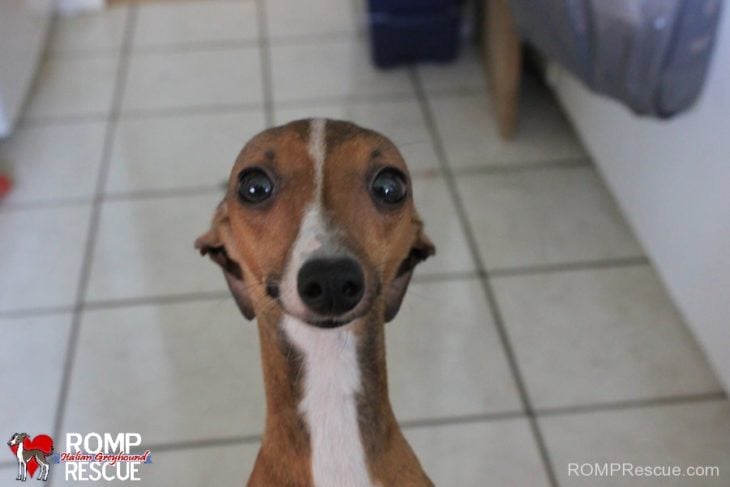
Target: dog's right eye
{"x":254,"y":186}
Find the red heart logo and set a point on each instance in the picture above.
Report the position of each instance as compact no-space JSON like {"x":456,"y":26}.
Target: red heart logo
{"x":43,"y":443}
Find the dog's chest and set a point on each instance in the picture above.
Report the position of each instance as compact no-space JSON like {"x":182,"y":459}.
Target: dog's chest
{"x":330,"y":385}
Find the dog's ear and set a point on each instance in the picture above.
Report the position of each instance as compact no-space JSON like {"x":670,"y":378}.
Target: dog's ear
{"x":421,"y":250}
{"x":214,"y":244}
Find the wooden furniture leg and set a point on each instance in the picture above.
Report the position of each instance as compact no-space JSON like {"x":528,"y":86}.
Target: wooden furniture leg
{"x":503,"y":53}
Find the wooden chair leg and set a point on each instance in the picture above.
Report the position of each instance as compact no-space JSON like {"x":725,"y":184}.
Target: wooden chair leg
{"x":503,"y":53}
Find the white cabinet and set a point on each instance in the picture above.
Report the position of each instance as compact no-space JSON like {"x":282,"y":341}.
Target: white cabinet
{"x":23,"y":28}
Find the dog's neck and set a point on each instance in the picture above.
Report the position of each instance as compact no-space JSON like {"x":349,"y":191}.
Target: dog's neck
{"x":19,"y":452}
{"x":329,"y":419}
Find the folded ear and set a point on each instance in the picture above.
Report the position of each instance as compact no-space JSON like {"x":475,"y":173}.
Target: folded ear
{"x":213,"y":243}
{"x":422,"y":249}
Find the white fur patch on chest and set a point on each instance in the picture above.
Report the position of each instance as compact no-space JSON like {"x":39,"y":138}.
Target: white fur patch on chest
{"x":331,"y":382}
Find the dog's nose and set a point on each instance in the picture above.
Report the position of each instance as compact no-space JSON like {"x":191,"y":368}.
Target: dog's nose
{"x":331,"y":287}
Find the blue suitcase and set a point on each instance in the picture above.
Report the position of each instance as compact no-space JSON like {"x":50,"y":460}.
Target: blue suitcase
{"x":408,"y":31}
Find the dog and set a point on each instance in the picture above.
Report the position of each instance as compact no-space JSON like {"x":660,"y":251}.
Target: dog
{"x":24,"y":456}
{"x":318,"y":236}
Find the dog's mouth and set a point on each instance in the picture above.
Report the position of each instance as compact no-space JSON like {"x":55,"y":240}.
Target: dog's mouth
{"x":330,"y":323}
{"x":325,"y":322}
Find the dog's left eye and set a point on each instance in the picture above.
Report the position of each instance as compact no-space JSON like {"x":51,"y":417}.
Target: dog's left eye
{"x":389,"y":187}
{"x":255,"y":186}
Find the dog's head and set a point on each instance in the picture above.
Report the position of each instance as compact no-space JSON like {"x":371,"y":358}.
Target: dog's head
{"x":17,"y":439}
{"x":318,"y":222}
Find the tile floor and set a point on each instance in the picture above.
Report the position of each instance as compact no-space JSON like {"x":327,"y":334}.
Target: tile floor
{"x":539,"y":336}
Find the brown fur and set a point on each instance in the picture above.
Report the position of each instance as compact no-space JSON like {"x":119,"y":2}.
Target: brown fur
{"x":257,"y":240}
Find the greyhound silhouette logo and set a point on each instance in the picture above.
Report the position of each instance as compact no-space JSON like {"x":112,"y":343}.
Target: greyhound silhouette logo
{"x":31,"y":454}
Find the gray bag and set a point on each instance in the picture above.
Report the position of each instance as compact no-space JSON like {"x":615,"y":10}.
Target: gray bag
{"x":650,"y":54}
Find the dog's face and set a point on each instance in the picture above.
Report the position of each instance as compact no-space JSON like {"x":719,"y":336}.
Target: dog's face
{"x":318,"y":221}
{"x":17,"y":439}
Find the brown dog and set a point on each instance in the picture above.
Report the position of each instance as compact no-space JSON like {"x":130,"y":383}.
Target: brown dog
{"x":318,"y":236}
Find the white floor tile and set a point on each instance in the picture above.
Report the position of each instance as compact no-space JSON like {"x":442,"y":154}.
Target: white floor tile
{"x":184,"y":23}
{"x":41,"y":252}
{"x":501,"y":453}
{"x":683,"y":435}
{"x":466,"y":73}
{"x":145,"y":248}
{"x":178,"y":372}
{"x":292,"y":18}
{"x":594,"y":336}
{"x":193,"y":78}
{"x":338,"y":70}
{"x":70,"y":86}
{"x":469,"y":132}
{"x":32,"y":355}
{"x":399,"y":120}
{"x":52,"y":162}
{"x":444,"y":354}
{"x":443,"y":227}
{"x":90,"y":31}
{"x":179,"y":152}
{"x":545,"y":217}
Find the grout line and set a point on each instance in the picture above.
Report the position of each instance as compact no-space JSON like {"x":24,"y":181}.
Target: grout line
{"x":501,"y":167}
{"x":32,"y":87}
{"x":85,"y":273}
{"x":486,"y":285}
{"x":157,"y":300}
{"x":618,"y":262}
{"x":31,"y":312}
{"x":317,"y":39}
{"x":204,"y":443}
{"x":197,"y":46}
{"x":208,"y":189}
{"x":464,"y":419}
{"x":445,"y":276}
{"x":352,"y":99}
{"x":417,"y":279}
{"x":156,"y":113}
{"x":265,"y":59}
{"x":49,"y":204}
{"x":172,"y":112}
{"x":161,"y":193}
{"x":215,"y":45}
{"x":456,"y":420}
{"x":43,"y":120}
{"x":632,"y":404}
{"x":212,"y":189}
{"x":139,"y":3}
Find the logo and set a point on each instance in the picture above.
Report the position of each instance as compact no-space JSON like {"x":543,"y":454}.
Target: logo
{"x":88,"y":457}
{"x":31,"y":454}
{"x":103,"y":457}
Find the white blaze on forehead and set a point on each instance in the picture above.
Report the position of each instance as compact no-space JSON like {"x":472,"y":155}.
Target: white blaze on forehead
{"x":329,"y":403}
{"x":317,"y":150}
{"x":313,"y":234}
{"x":312,"y":230}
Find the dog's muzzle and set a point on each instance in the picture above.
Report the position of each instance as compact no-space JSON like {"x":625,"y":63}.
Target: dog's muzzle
{"x":331,"y":287}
